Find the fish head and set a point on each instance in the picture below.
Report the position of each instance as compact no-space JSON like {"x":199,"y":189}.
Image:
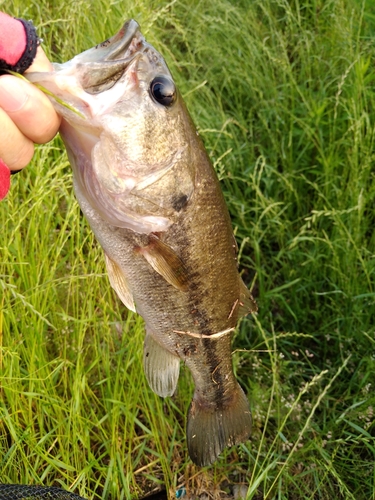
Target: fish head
{"x":126,"y":129}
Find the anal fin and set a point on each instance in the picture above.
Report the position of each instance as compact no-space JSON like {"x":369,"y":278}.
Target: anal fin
{"x":161,"y":367}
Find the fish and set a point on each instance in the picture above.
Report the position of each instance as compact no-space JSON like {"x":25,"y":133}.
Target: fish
{"x":146,"y":185}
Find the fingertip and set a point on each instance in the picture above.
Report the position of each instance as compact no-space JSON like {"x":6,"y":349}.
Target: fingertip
{"x":39,"y":121}
{"x":13,"y":93}
{"x":48,"y":122}
{"x":16,"y":150}
{"x":23,"y":156}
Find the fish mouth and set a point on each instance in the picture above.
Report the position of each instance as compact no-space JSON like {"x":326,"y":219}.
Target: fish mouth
{"x":103,"y":65}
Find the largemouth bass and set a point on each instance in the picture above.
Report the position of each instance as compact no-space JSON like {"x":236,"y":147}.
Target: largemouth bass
{"x":145,"y":184}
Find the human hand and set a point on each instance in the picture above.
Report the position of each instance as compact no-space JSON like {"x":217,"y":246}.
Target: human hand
{"x":26,"y":114}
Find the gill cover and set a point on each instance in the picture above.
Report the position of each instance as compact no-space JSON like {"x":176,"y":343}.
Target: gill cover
{"x":114,"y":167}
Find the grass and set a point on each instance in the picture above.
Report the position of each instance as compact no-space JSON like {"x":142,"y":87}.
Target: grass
{"x":282,"y":93}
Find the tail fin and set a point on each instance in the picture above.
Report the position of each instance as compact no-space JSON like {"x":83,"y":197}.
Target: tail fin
{"x":210,"y":430}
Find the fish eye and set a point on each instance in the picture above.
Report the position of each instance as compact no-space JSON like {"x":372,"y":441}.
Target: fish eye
{"x":163,"y":90}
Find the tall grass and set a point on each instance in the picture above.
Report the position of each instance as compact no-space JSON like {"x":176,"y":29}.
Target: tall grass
{"x":282,"y":93}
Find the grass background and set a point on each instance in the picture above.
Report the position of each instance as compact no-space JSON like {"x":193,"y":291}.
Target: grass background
{"x":282,"y":93}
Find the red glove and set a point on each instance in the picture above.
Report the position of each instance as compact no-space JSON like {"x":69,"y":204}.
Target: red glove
{"x":4,"y":179}
{"x":18,"y":46}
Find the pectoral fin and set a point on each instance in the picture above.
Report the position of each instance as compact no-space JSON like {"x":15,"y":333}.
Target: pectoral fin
{"x":164,"y":260}
{"x":119,"y":283}
{"x":161,"y":367}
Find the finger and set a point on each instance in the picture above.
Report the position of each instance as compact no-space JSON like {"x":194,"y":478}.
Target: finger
{"x":40,"y":63}
{"x":16,"y":150}
{"x":29,"y":108}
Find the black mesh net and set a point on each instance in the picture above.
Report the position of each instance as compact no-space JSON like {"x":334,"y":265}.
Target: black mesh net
{"x":22,"y":492}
